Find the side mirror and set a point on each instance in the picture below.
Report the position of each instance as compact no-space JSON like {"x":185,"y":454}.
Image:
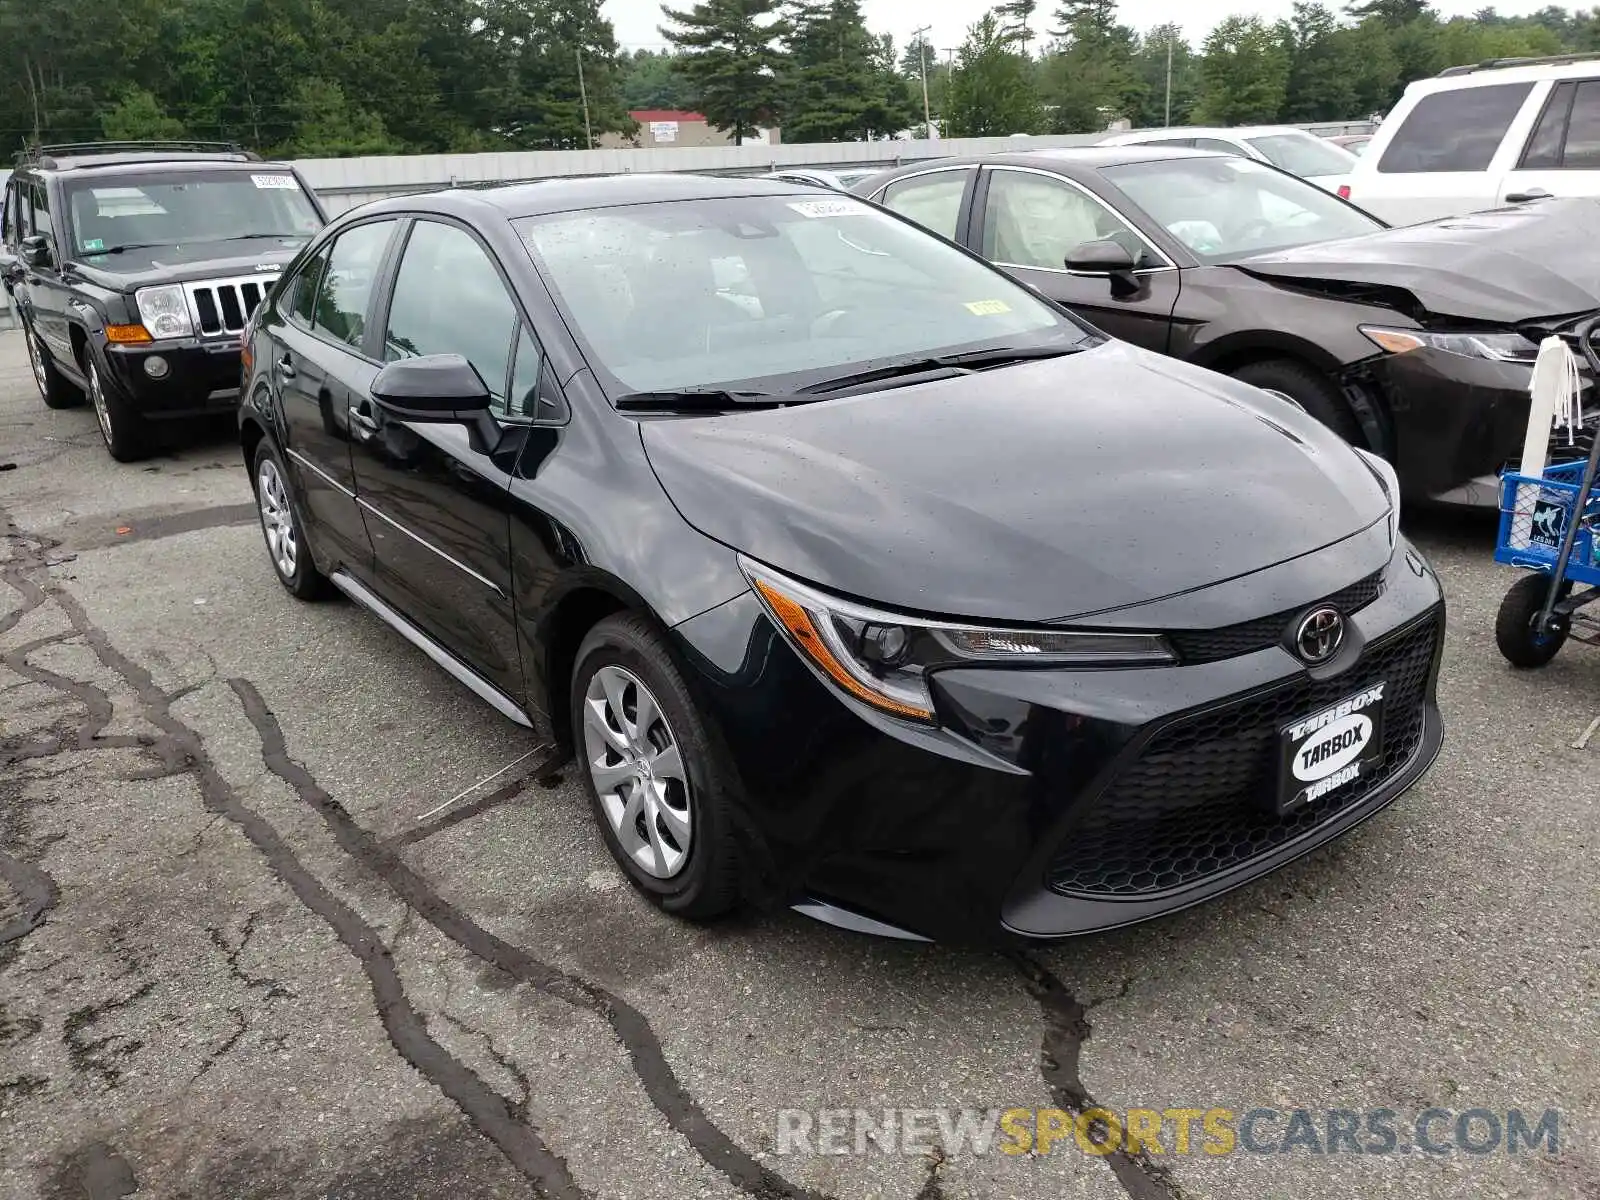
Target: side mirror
{"x":1109,"y":258}
{"x":35,"y":250}
{"x":435,"y":387}
{"x":1100,"y":258}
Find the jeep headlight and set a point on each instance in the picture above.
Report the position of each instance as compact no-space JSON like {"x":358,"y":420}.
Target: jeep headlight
{"x":164,"y":311}
{"x":883,"y":659}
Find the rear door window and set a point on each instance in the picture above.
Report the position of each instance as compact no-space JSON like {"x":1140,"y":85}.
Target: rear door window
{"x":932,"y":201}
{"x":1456,"y":130}
{"x":1580,"y":149}
{"x":344,"y":292}
{"x":1543,"y":150}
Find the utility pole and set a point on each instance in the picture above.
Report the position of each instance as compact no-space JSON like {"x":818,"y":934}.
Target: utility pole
{"x":1166,"y":122}
{"x":583,"y":94}
{"x":922,"y":58}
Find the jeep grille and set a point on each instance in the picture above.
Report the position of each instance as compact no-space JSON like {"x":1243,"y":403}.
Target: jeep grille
{"x":222,"y":306}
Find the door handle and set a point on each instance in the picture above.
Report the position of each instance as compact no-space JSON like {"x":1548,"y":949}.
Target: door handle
{"x":1530,"y":194}
{"x":286,"y":368}
{"x":362,"y":420}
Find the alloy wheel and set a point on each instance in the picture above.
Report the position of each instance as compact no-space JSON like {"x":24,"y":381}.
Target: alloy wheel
{"x":277,"y":518}
{"x":638,"y":771}
{"x":97,"y":394}
{"x":36,"y":357}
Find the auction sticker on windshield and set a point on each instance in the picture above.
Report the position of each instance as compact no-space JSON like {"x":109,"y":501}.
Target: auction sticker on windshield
{"x":1331,"y":749}
{"x":987,"y":308}
{"x":825,"y":208}
{"x":275,"y":182}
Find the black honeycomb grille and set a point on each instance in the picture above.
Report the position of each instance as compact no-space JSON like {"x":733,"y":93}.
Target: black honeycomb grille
{"x":1212,"y":645}
{"x":1199,"y":799}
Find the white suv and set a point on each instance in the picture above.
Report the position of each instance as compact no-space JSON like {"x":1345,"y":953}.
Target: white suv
{"x":1475,"y":137}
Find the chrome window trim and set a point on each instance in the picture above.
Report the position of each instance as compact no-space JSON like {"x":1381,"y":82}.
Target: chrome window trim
{"x":424,"y":542}
{"x":1167,"y":263}
{"x":318,"y":471}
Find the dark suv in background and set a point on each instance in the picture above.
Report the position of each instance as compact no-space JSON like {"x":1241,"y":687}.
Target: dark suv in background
{"x":134,"y":266}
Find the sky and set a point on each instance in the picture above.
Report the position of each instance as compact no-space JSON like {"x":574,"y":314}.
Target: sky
{"x":636,"y":21}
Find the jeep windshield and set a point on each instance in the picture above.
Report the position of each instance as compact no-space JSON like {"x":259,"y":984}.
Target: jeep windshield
{"x":778,"y":293}
{"x":189,"y":208}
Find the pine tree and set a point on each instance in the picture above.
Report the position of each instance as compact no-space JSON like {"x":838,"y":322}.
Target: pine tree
{"x":837,"y":85}
{"x":729,"y":61}
{"x":992,"y":91}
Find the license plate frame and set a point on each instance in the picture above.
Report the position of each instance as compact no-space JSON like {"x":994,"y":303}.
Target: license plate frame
{"x":1332,"y":748}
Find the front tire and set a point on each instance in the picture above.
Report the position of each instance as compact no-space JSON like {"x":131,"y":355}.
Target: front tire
{"x":1514,"y":633}
{"x":1309,"y":388}
{"x":661,"y":789}
{"x":52,"y":384}
{"x":121,"y":429}
{"x":282,"y":529}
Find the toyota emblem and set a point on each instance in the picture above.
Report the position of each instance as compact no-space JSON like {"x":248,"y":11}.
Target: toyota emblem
{"x":1320,"y":633}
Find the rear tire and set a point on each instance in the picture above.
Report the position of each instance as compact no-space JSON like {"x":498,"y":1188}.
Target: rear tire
{"x":121,"y":429}
{"x":282,"y":529}
{"x":1513,"y":625}
{"x":662,"y":790}
{"x":52,"y":384}
{"x":1310,"y":389}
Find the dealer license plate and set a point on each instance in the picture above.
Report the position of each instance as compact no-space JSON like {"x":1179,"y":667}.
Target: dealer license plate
{"x":1332,"y":749}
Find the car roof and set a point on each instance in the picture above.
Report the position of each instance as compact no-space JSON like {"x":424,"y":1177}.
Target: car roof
{"x":1484,"y":74}
{"x":1216,"y":131}
{"x":1092,"y":158}
{"x":104,"y":165}
{"x":568,"y":193}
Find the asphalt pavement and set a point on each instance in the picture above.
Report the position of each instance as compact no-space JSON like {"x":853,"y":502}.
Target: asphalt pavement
{"x":239,"y":958}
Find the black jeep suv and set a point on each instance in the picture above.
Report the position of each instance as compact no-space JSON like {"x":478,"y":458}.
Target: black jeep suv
{"x":134,"y":266}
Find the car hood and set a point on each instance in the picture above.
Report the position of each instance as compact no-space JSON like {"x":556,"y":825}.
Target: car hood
{"x":1034,"y":492}
{"x":1505,"y":265}
{"x":178,"y":264}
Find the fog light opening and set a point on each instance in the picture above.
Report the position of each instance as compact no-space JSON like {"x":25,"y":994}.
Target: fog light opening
{"x":156,"y":367}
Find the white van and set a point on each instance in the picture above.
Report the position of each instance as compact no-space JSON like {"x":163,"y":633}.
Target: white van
{"x":1314,"y":159}
{"x":1476,"y":137}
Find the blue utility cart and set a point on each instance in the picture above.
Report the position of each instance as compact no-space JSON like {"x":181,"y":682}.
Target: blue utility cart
{"x":1550,"y":524}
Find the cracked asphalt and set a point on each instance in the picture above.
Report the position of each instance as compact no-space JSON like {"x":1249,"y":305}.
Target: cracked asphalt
{"x":238,"y":960}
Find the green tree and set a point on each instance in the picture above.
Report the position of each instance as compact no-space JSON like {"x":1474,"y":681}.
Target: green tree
{"x":1244,"y":73}
{"x":1150,"y":68}
{"x":138,"y":116}
{"x":837,"y":85}
{"x":1016,"y":22}
{"x":730,"y":60}
{"x":1090,"y":78}
{"x":652,"y":80}
{"x":992,"y":89}
{"x":327,"y":125}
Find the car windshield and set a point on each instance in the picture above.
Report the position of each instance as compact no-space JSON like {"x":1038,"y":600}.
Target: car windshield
{"x":188,"y":208}
{"x":1227,"y":208}
{"x":773,"y":292}
{"x":1304,"y":154}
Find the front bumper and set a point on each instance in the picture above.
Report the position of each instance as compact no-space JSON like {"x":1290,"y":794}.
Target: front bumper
{"x":1458,"y":421}
{"x":1051,"y":802}
{"x":202,"y":376}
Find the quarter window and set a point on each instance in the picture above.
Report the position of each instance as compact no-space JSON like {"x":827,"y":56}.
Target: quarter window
{"x":1457,"y":130}
{"x":304,"y":288}
{"x":344,"y":292}
{"x":1035,"y":221}
{"x":450,"y":299}
{"x":524,"y":399}
{"x":1581,"y":150}
{"x":932,"y":201}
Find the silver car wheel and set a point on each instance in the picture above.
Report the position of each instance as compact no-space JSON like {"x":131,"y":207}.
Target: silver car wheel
{"x":277,"y":518}
{"x":638,"y":771}
{"x":97,"y":394}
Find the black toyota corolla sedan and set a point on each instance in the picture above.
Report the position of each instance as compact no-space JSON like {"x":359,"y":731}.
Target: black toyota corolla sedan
{"x":1417,"y":343}
{"x":855,"y":576}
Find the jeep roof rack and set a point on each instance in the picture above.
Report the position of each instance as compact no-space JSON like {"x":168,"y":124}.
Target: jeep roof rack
{"x":1497,"y":64}
{"x":60,"y":155}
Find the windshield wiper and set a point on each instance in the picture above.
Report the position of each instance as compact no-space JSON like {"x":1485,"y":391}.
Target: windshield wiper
{"x":130,"y":246}
{"x":245,"y":237}
{"x":699,"y":400}
{"x":972,"y":360}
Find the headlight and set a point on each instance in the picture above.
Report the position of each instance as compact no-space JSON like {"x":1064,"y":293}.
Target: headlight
{"x":164,"y":311}
{"x":1390,"y":482}
{"x":883,"y":659}
{"x":1498,"y":347}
